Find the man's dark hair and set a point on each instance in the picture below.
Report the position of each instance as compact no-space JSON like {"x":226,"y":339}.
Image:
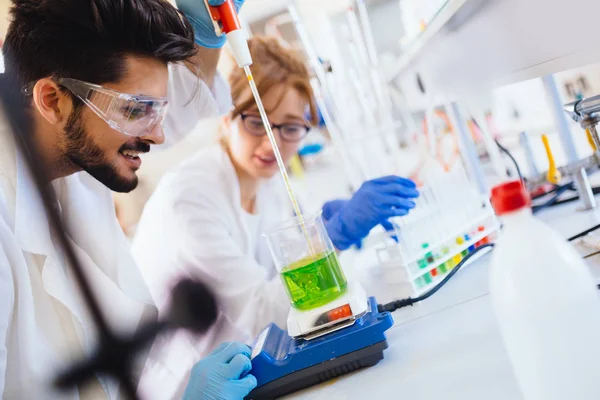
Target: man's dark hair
{"x":89,"y":39}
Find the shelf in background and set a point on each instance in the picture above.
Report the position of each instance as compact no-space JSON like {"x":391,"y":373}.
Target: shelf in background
{"x":412,"y":50}
{"x":489,"y":43}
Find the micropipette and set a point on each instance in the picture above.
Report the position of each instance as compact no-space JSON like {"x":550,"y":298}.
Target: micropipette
{"x":225,"y":20}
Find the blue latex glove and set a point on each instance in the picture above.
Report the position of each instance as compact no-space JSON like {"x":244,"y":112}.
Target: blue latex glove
{"x":222,"y":375}
{"x":374,"y":203}
{"x":333,"y":207}
{"x":197,"y":14}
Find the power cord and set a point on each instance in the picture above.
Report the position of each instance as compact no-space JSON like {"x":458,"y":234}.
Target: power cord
{"x":409,"y":301}
{"x":505,"y":151}
{"x":595,"y":191}
{"x":553,"y":201}
{"x":582,"y":234}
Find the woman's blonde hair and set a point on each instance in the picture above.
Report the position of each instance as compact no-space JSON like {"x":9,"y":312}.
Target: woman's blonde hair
{"x":273,"y":65}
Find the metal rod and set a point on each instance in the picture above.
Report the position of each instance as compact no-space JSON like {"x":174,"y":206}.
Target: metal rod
{"x":588,"y":106}
{"x":560,"y":119}
{"x":475,"y":110}
{"x":526,"y":145}
{"x":582,"y":184}
{"x":591,"y":165}
{"x":468,"y":149}
{"x":586,"y":195}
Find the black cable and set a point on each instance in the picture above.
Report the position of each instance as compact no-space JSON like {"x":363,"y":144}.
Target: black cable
{"x":539,"y":196}
{"x":595,"y":191}
{"x":582,"y":234}
{"x":553,"y":190}
{"x":553,"y":200}
{"x":409,"y":301}
{"x":505,"y":151}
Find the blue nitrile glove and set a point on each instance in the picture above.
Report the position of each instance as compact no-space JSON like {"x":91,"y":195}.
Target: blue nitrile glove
{"x":374,"y":203}
{"x":333,"y":207}
{"x":223,"y":374}
{"x":197,"y":14}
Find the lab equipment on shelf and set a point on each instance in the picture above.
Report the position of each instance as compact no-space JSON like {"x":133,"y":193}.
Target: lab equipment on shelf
{"x":450,"y":220}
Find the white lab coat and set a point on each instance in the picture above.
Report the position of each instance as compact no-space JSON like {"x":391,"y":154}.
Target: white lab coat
{"x":193,"y":225}
{"x":43,"y":321}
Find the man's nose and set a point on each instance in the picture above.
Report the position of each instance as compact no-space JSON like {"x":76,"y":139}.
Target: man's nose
{"x":155,"y":135}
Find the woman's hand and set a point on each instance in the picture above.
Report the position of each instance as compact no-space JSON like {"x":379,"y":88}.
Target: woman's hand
{"x":350,"y":221}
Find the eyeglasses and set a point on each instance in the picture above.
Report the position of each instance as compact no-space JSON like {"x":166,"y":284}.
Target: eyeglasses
{"x":133,"y":115}
{"x":288,"y":132}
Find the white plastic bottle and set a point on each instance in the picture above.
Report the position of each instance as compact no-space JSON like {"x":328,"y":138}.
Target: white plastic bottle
{"x":546,"y":303}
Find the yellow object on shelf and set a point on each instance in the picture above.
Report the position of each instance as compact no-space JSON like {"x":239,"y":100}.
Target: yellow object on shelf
{"x":591,"y":140}
{"x":554,"y":175}
{"x":296,"y":167}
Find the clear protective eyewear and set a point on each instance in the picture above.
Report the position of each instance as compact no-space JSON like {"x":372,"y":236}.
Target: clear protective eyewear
{"x":133,"y":115}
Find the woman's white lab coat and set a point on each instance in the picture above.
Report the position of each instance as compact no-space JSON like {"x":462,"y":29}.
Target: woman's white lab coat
{"x":193,"y":225}
{"x":44,"y":323}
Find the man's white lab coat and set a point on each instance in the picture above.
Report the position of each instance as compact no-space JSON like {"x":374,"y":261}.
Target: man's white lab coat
{"x":193,"y":225}
{"x":44,"y":323}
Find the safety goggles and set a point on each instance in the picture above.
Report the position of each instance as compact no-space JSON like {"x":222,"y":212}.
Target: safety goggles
{"x":133,"y":115}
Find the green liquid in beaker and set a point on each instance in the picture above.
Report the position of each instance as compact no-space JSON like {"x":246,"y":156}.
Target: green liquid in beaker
{"x":314,"y":281}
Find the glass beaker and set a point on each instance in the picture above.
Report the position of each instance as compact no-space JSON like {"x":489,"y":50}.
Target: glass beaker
{"x":307,"y":262}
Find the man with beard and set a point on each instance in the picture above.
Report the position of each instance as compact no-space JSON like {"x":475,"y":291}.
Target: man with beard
{"x":96,"y":77}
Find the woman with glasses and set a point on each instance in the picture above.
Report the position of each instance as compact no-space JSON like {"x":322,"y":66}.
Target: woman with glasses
{"x":206,"y":217}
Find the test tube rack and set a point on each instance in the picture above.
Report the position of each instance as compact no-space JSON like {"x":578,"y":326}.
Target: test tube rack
{"x":450,"y":220}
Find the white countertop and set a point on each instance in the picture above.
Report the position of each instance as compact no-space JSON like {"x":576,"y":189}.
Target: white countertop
{"x":447,"y":347}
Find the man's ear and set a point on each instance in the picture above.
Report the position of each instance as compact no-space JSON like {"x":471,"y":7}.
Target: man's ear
{"x":51,"y":102}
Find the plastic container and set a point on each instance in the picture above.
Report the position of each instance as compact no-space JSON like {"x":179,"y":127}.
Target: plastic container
{"x":546,"y":304}
{"x":307,"y":263}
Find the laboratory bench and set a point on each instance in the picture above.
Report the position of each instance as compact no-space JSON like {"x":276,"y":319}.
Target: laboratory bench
{"x":448,"y":347}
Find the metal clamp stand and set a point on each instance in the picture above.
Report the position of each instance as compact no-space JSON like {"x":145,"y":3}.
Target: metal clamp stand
{"x":586,"y":112}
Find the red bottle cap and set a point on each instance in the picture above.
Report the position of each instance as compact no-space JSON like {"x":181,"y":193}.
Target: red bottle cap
{"x":509,"y":197}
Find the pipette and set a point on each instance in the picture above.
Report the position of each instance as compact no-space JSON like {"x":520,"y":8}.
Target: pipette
{"x":225,"y":21}
{"x":267,"y":124}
